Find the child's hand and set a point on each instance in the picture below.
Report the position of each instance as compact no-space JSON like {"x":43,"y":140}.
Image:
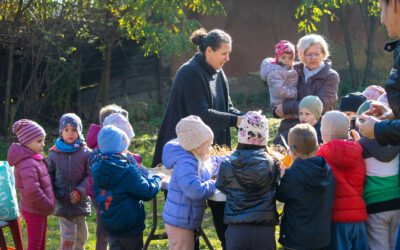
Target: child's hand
{"x":355,"y":135}
{"x":164,"y":178}
{"x":74,"y":196}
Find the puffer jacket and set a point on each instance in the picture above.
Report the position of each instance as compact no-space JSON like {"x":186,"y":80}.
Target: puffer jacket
{"x":388,"y":132}
{"x":249,"y":179}
{"x":188,"y":188}
{"x":324,"y":84}
{"x":307,"y":188}
{"x":70,"y":171}
{"x":348,"y":167}
{"x":32,"y":181}
{"x":282,"y":81}
{"x":120,"y":190}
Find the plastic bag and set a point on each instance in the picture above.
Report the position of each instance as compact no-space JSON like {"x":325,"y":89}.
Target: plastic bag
{"x":8,"y":194}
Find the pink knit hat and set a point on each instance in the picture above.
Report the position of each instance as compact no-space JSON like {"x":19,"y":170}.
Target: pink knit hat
{"x":282,"y":47}
{"x":27,"y":131}
{"x":373,"y":92}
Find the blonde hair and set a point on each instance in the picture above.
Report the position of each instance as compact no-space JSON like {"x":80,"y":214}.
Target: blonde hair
{"x":110,"y":109}
{"x":312,"y":39}
{"x":303,"y":139}
{"x":199,"y":160}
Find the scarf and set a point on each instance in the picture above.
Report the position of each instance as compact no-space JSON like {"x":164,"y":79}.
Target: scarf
{"x":63,"y":147}
{"x":309,"y":73}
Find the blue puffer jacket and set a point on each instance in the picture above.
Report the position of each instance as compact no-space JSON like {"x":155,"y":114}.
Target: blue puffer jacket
{"x":187,"y":191}
{"x":120,"y":189}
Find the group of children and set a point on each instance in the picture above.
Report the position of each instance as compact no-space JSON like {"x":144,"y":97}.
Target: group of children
{"x":63,"y":183}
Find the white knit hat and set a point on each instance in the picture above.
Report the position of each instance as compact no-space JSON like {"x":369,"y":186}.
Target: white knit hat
{"x":192,"y":132}
{"x":253,"y":129}
{"x":335,"y":125}
{"x":121,"y":122}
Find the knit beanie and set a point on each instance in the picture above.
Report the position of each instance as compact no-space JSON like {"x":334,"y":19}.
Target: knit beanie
{"x":282,"y":47}
{"x":120,"y":122}
{"x":112,"y":140}
{"x":383,"y":99}
{"x":364,"y":107}
{"x":27,"y":131}
{"x":70,"y":119}
{"x":103,"y":116}
{"x":373,"y":92}
{"x":312,"y":103}
{"x":253,"y":129}
{"x":351,"y":102}
{"x":192,"y":132}
{"x":335,"y":125}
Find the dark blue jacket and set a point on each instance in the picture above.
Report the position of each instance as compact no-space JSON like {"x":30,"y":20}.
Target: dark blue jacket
{"x":192,"y":94}
{"x":307,"y":188}
{"x":120,"y":189}
{"x":249,"y":179}
{"x":388,"y":132}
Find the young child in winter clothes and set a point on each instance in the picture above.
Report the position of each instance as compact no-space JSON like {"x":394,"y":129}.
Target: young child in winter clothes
{"x":307,"y":189}
{"x":350,"y":103}
{"x":373,"y":92}
{"x":381,"y":190}
{"x":69,"y":173}
{"x":310,"y":111}
{"x":117,"y":115}
{"x":120,"y":189}
{"x":191,"y":183}
{"x":32,"y":180}
{"x":278,"y":72}
{"x":345,"y":158}
{"x":249,"y":179}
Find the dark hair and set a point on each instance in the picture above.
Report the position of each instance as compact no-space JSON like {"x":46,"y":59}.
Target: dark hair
{"x":242,"y":146}
{"x":212,"y":39}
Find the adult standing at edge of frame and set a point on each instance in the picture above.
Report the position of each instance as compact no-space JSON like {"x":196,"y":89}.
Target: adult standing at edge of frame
{"x":201,"y":88}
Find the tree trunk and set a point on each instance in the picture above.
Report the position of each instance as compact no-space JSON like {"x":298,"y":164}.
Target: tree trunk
{"x":78,"y":87}
{"x":8,"y":87}
{"x":93,"y":110}
{"x":349,"y":48}
{"x":107,"y":69}
{"x":370,"y":50}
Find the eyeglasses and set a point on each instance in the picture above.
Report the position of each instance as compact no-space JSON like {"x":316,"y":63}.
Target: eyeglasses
{"x":311,"y":55}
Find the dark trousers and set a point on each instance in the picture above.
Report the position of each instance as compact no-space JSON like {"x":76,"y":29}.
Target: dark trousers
{"x":244,"y":236}
{"x":217,"y":211}
{"x":130,"y":243}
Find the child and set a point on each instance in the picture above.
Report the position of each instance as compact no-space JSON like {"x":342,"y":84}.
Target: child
{"x":69,"y":173}
{"x":279,"y":74}
{"x":191,"y":183}
{"x":32,"y":180}
{"x":350,"y":103}
{"x":122,"y":123}
{"x":249,"y":180}
{"x":120,"y":190}
{"x":310,"y":111}
{"x":373,"y":92}
{"x":307,"y":189}
{"x":344,"y":156}
{"x":381,"y":190}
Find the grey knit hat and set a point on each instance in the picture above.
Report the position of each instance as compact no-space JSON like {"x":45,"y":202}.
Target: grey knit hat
{"x":72,"y":120}
{"x":312,"y":103}
{"x":335,"y":125}
{"x":192,"y":132}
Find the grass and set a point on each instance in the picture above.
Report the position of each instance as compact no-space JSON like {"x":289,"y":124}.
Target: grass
{"x":146,"y":129}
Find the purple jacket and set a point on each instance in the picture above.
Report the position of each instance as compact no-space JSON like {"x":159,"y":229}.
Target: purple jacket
{"x":32,"y":181}
{"x":91,"y":136}
{"x":70,"y":171}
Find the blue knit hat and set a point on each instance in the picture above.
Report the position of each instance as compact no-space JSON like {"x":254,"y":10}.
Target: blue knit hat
{"x":112,"y":140}
{"x":71,"y":119}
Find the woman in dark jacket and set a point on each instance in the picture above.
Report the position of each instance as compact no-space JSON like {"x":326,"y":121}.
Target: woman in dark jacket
{"x":316,"y":77}
{"x":201,"y":88}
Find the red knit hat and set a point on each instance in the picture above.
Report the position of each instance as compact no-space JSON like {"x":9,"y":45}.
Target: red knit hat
{"x":282,"y":47}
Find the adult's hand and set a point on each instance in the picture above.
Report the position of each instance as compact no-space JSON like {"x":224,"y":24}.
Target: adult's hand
{"x":381,"y":111}
{"x":279,"y":110}
{"x":367,"y":127}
